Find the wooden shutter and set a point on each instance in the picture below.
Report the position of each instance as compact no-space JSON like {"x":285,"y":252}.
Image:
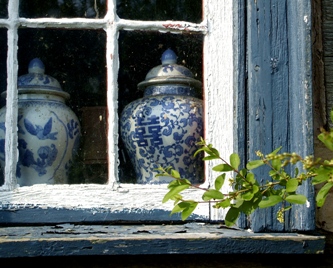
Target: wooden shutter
{"x":276,"y":86}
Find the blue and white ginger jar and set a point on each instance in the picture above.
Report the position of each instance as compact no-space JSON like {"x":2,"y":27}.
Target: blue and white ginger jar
{"x":162,"y":128}
{"x":48,"y":130}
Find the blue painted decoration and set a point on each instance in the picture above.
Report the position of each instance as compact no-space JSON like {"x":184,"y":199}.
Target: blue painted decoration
{"x":48,"y":131}
{"x":162,"y":128}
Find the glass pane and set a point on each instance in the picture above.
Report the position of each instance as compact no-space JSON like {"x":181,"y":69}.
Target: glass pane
{"x":3,"y":63}
{"x":77,"y":60}
{"x":3,"y":9}
{"x":3,"y":82}
{"x":63,"y":8}
{"x":140,"y":52}
{"x":184,"y":10}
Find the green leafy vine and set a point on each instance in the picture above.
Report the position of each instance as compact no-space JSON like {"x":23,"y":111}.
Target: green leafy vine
{"x":247,"y":194}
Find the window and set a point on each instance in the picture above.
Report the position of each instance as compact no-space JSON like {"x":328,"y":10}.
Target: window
{"x":232,"y":73}
{"x":87,"y":37}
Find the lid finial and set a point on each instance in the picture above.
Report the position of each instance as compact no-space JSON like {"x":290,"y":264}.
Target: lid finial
{"x":36,"y":66}
{"x":169,"y":57}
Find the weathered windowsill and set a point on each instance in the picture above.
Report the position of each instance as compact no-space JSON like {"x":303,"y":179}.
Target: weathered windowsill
{"x":78,"y":220}
{"x":190,"y":238}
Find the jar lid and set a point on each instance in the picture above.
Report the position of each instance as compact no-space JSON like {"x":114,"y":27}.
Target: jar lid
{"x":169,"y":72}
{"x":36,"y":81}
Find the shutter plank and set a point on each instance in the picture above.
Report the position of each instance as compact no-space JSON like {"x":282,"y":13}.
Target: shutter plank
{"x":280,"y":95}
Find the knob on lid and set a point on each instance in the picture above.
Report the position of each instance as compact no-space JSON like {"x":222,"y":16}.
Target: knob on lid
{"x":169,"y":72}
{"x":36,"y":81}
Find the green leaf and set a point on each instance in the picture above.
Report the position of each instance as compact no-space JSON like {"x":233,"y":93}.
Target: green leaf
{"x":232,"y":216}
{"x":212,"y":194}
{"x":239,"y":202}
{"x":224,"y":204}
{"x":189,"y":210}
{"x":163,"y":175}
{"x":173,"y":183}
{"x":215,"y":152}
{"x":270,"y":201}
{"x":323,"y":175}
{"x":250,"y":178}
{"x":219,"y":182}
{"x":210,"y":157}
{"x":175,"y":174}
{"x":276,"y":164}
{"x":296,"y":199}
{"x":203,"y":149}
{"x":254,"y":164}
{"x":177,"y":198}
{"x":186,"y":208}
{"x":247,"y":196}
{"x":327,"y":139}
{"x":283,"y":182}
{"x":176,"y":183}
{"x":287,"y":208}
{"x":249,"y":206}
{"x":322,"y":194}
{"x":222,"y":168}
{"x":174,"y":191}
{"x":234,"y":160}
{"x":292,"y":185}
{"x":276,"y":151}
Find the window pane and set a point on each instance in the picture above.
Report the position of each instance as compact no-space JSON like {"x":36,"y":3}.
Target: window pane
{"x":139,"y":52}
{"x":63,"y":8}
{"x":3,"y":9}
{"x":77,"y":60}
{"x":3,"y":63}
{"x":184,"y":10}
{"x":3,"y":79}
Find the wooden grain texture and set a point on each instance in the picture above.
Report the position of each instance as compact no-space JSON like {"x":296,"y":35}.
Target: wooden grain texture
{"x":280,"y":95}
{"x":81,"y":240}
{"x":218,"y":85}
{"x":40,"y":204}
{"x":240,"y":94}
{"x":327,"y":28}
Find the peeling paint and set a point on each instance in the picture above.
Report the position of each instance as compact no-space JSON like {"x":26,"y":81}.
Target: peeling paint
{"x":120,"y":239}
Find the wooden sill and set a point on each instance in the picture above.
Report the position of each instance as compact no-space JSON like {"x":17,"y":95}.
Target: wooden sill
{"x":190,"y":238}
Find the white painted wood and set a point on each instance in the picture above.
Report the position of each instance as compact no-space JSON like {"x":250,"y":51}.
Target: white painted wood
{"x":11,"y":152}
{"x":218,"y":83}
{"x":93,"y":196}
{"x":112,"y":61}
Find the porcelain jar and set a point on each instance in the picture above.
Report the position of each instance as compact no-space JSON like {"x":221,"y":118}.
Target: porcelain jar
{"x":48,"y":130}
{"x":162,"y":128}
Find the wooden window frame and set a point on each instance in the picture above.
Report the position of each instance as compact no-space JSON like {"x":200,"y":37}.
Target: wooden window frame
{"x":92,"y":213}
{"x":227,"y":69}
{"x":94,"y":198}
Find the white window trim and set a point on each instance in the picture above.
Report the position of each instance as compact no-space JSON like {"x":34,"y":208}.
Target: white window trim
{"x":218,"y":62}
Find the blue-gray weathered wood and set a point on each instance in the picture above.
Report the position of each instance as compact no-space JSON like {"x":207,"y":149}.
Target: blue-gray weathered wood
{"x":240,"y":77}
{"x":280,"y":95}
{"x":301,"y":107}
{"x":38,"y":216}
{"x":73,"y":240}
